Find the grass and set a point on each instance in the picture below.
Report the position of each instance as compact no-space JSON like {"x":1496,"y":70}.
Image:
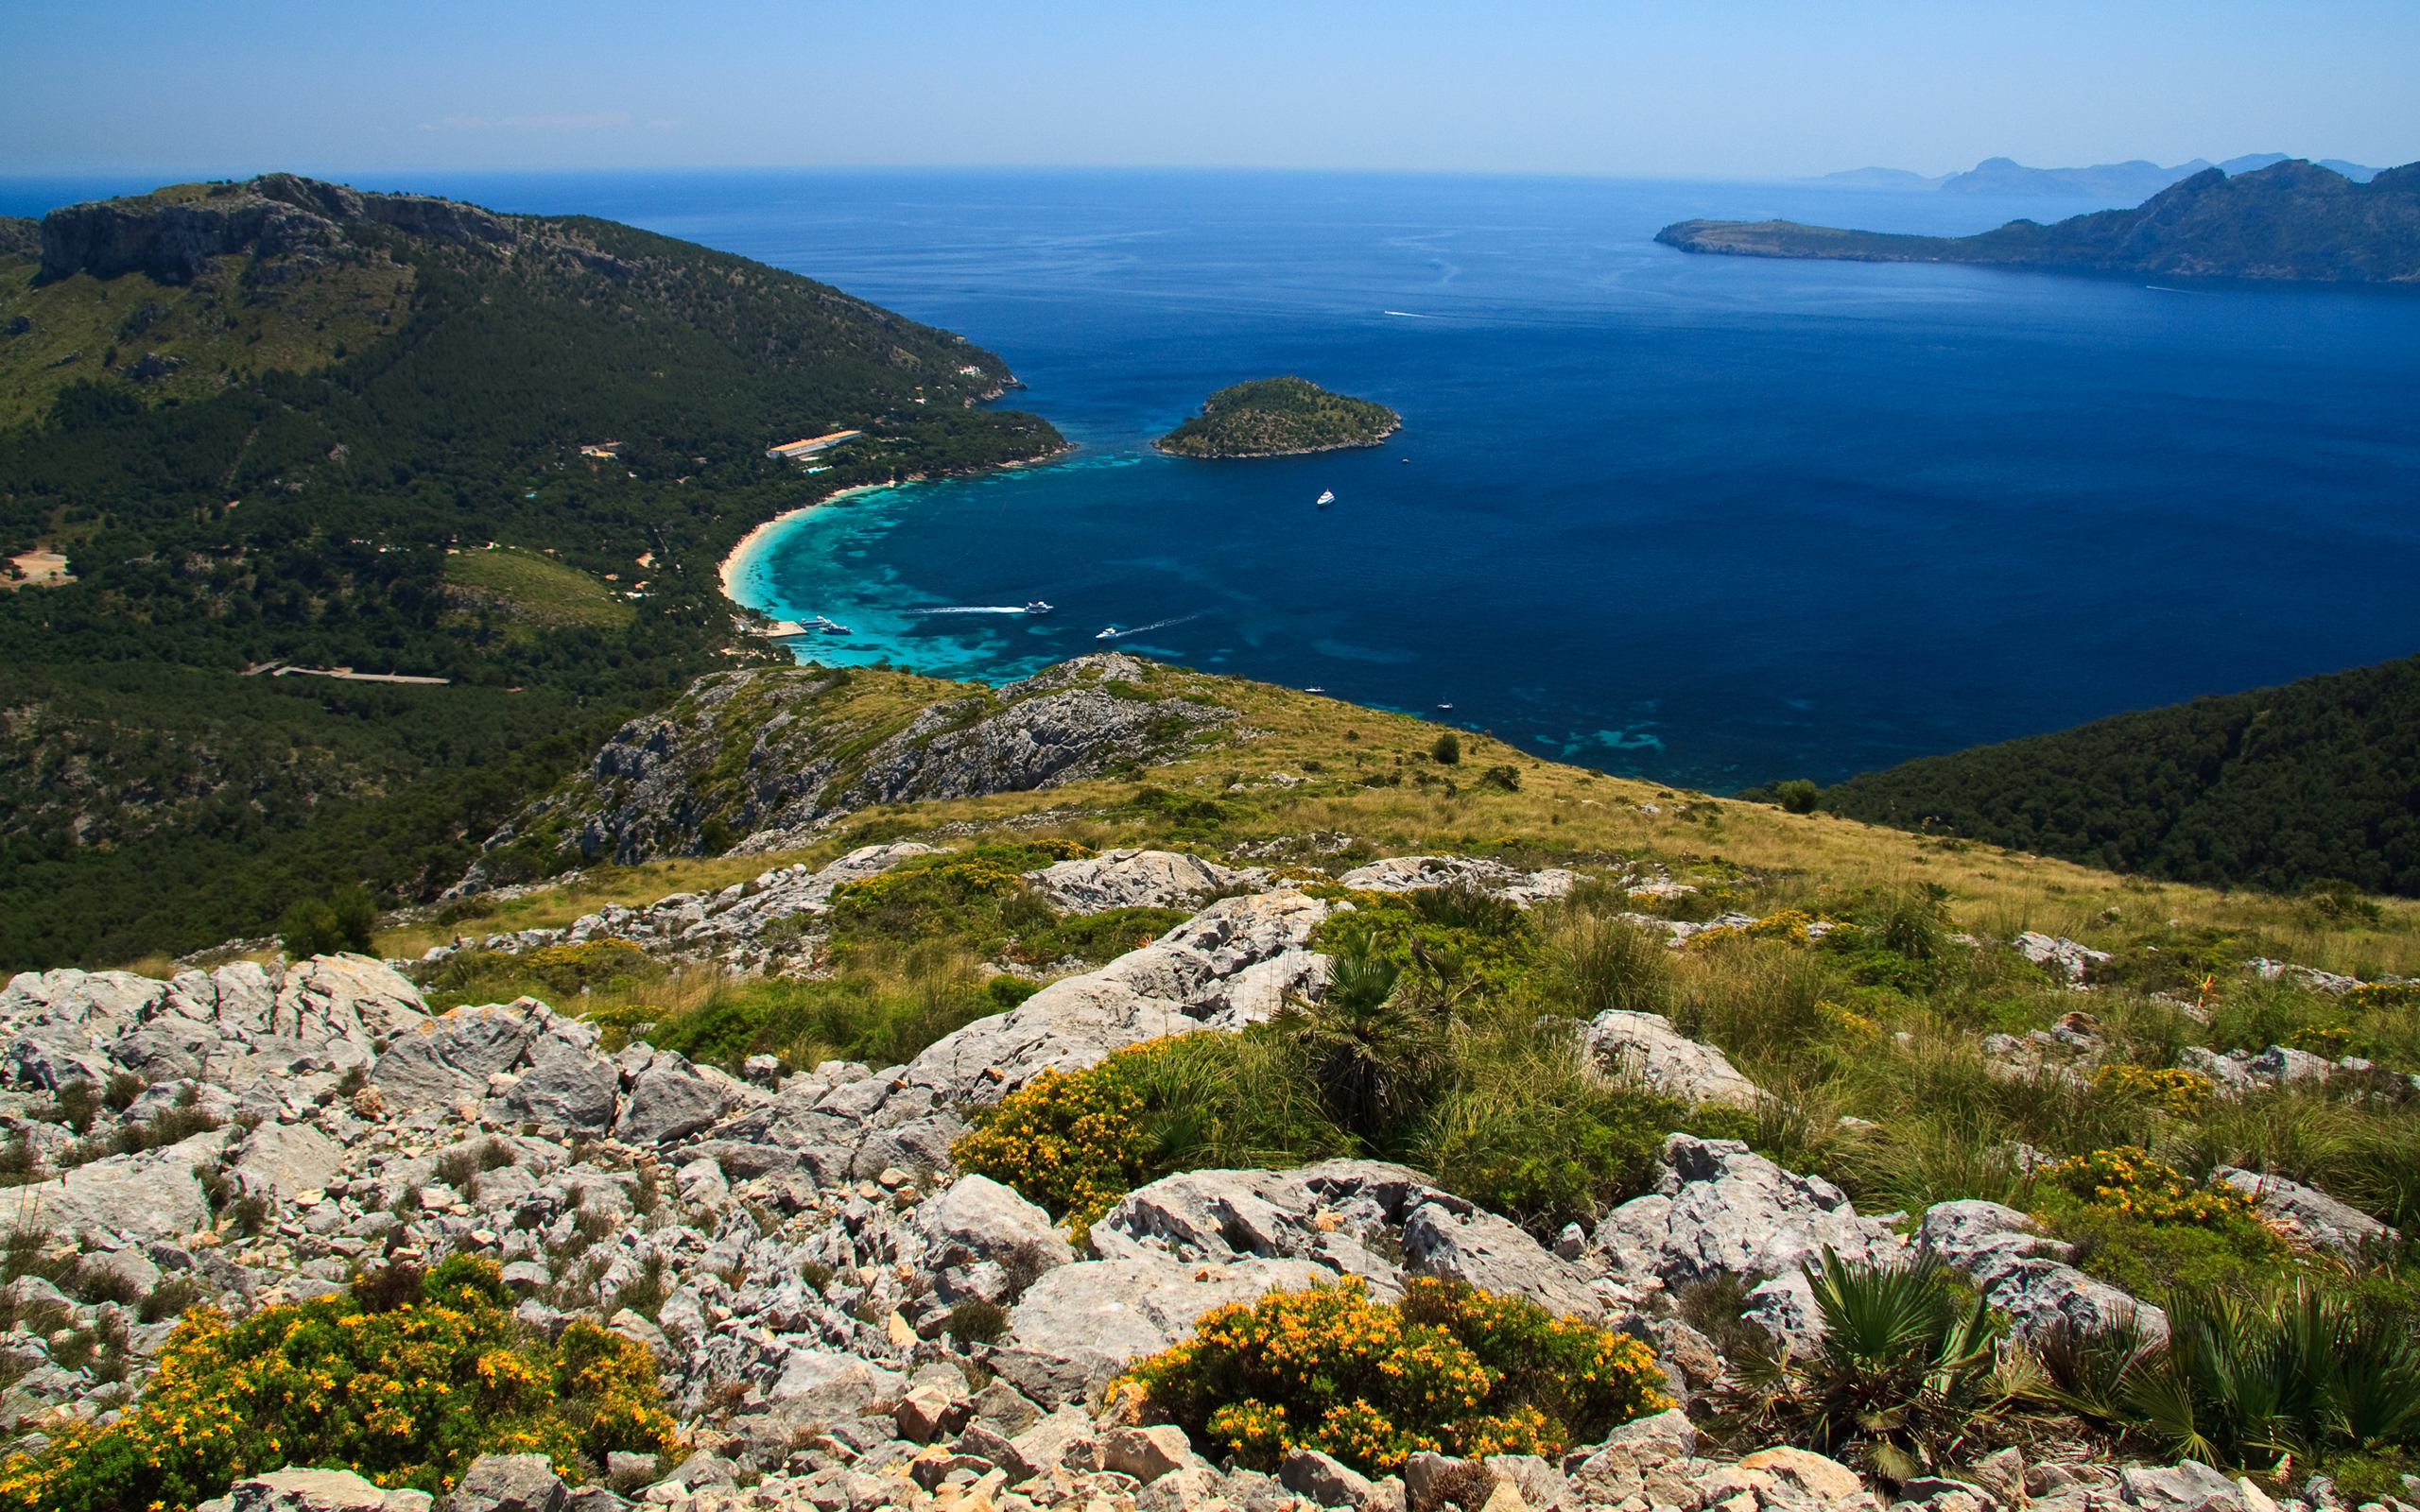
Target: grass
{"x":217,"y":331}
{"x":529,"y":594}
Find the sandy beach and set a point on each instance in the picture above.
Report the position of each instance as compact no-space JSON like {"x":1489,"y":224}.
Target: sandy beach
{"x":761,"y":537}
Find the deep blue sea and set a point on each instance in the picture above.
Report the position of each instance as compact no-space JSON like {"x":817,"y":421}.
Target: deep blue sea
{"x":1712,"y":521}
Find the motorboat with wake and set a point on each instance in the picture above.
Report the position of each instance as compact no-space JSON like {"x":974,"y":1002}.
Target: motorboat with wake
{"x":1109,"y":634}
{"x":1037,"y":606}
{"x":1327,"y":496}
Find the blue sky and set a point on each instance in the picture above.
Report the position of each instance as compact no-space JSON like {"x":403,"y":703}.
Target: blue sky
{"x":1749,"y":88}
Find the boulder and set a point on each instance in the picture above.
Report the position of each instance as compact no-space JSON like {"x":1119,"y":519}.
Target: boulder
{"x":1133,"y":879}
{"x":669,"y":1100}
{"x":150,"y":1195}
{"x":280,"y":1160}
{"x":1231,"y":964}
{"x":2187,"y":1487}
{"x":1081,"y":1324}
{"x":344,"y":997}
{"x":829,"y":1385}
{"x":2062,"y":958}
{"x":1326,"y":1480}
{"x":991,"y":1222}
{"x":2025,"y":1275}
{"x":1669,"y":1432}
{"x":1646,"y":1048}
{"x":446,"y":1061}
{"x":1810,"y":1473}
{"x":2328,"y":1224}
{"x":1454,"y":1241}
{"x":307,"y":1490}
{"x":509,"y":1483}
{"x":1147,"y":1453}
{"x":1721,"y":1207}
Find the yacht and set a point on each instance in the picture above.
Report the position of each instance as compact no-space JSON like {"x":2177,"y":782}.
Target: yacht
{"x":1037,"y":606}
{"x":1327,"y":496}
{"x":1109,"y":634}
{"x":833,"y":626}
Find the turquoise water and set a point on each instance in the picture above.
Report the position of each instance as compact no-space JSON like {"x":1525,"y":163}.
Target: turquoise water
{"x":1709,"y":520}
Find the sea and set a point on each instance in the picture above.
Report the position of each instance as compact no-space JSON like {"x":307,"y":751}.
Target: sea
{"x":1708,"y":520}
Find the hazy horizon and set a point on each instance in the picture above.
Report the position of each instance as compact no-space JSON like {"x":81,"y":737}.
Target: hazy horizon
{"x":1762,"y":90}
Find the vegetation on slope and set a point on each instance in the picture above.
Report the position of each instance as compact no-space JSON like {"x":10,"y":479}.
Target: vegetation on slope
{"x":2312,"y":786}
{"x":2291,"y":220}
{"x":1275,"y":417}
{"x":296,"y":497}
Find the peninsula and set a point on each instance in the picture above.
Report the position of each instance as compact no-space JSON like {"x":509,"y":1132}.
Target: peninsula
{"x":2292,"y":221}
{"x":1279,"y":417}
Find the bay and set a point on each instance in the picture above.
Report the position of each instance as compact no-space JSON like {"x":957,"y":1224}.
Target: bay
{"x":1710,"y":520}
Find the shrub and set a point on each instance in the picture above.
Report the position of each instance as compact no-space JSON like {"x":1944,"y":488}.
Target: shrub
{"x":1503,"y":779}
{"x":1905,"y":1368}
{"x":1797,"y":796}
{"x":1450,"y":1369}
{"x":1447,"y":752}
{"x":2172,"y":1089}
{"x":408,"y":1396}
{"x":976,"y":1321}
{"x":1069,"y":1142}
{"x":323,"y":926}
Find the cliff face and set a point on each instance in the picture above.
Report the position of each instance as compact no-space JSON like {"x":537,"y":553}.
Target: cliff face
{"x":760,"y":760}
{"x":2292,"y":221}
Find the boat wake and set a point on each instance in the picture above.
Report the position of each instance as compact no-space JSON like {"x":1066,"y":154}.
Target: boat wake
{"x":1115,"y":634}
{"x":977,"y":609}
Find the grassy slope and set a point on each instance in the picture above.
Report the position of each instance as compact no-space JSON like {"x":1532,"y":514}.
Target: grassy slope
{"x":1559,"y":811}
{"x":533,"y":594}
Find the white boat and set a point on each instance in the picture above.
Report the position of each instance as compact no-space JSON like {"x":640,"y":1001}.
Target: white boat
{"x":1109,"y":634}
{"x":1037,"y":606}
{"x":835,"y":628}
{"x":1327,"y":496}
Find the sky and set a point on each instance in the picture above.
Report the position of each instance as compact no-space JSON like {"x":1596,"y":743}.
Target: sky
{"x":1684,"y":88}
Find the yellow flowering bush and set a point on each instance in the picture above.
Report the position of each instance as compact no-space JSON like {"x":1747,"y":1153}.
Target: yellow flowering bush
{"x":1450,"y":1369}
{"x":1069,"y":1142}
{"x":2173,"y":1090}
{"x":406,"y":1395}
{"x":2130,"y":1181}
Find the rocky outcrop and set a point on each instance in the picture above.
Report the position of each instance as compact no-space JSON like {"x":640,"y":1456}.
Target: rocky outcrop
{"x":805,"y":759}
{"x":1411,"y":873}
{"x":1721,"y":1209}
{"x":278,"y":216}
{"x":1136,"y":879}
{"x":2026,"y":1275}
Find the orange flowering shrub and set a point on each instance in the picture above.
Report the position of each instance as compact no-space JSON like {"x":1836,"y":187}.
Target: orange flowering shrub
{"x":406,"y":1397}
{"x":1450,"y":1369}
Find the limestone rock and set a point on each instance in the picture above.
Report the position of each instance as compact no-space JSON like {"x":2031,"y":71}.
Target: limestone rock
{"x":1133,"y":879}
{"x":1646,"y":1047}
{"x":2187,"y":1487}
{"x":1412,"y":873}
{"x":509,"y":1483}
{"x":1456,"y":1240}
{"x":1812,"y":1474}
{"x":991,"y":1221}
{"x":150,"y":1195}
{"x":2026,"y":1275}
{"x":1327,"y":1481}
{"x":280,"y":1160}
{"x":1147,"y":1453}
{"x":546,"y":1066}
{"x":2320,"y":1218}
{"x":2064,"y":958}
{"x":308,"y":1490}
{"x":1081,"y":1324}
{"x":344,"y":997}
{"x":669,"y":1100}
{"x":1231,"y":964}
{"x":1721,"y":1207}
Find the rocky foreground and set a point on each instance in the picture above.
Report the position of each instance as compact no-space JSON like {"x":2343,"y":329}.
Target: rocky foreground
{"x":791,"y":1247}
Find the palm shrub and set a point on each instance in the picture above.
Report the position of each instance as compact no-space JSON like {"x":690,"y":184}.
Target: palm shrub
{"x":2244,"y":1378}
{"x":1450,"y":1369}
{"x":1906,"y":1376}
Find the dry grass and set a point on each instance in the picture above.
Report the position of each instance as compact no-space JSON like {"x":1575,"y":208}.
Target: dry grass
{"x":1560,"y":810}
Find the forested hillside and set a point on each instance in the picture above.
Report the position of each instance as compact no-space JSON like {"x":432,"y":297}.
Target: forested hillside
{"x":2277,"y":788}
{"x":220,"y":512}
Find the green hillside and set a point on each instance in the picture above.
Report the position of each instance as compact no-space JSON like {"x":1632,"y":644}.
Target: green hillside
{"x":290,"y":492}
{"x":2277,"y":788}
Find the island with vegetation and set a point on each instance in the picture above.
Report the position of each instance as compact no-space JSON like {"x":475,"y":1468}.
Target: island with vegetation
{"x":2292,"y":221}
{"x":1279,"y":417}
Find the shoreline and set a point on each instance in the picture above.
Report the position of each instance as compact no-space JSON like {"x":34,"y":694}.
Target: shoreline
{"x":753,"y":543}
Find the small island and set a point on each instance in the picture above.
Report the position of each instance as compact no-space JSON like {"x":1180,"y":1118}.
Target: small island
{"x":1279,"y":417}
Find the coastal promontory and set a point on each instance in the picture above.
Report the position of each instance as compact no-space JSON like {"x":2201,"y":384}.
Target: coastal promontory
{"x":1279,"y":417}
{"x":2292,"y":221}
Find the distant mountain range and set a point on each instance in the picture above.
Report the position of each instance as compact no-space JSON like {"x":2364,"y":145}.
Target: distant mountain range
{"x":2290,"y":221}
{"x":2117,"y":183}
